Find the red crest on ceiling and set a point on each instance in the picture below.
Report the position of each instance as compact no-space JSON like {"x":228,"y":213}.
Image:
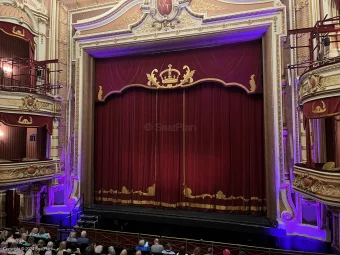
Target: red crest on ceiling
{"x":164,"y":7}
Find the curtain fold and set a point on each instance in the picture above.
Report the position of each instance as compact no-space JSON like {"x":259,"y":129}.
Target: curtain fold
{"x":197,"y":148}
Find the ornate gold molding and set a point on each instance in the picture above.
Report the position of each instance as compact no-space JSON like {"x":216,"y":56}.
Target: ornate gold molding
{"x":18,"y":32}
{"x":10,"y":173}
{"x":319,"y":109}
{"x":170,"y":78}
{"x":150,"y":191}
{"x":100,"y":93}
{"x":321,"y":185}
{"x":26,"y":121}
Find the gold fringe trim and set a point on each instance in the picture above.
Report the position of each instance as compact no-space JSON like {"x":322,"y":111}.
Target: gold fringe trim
{"x":182,"y":204}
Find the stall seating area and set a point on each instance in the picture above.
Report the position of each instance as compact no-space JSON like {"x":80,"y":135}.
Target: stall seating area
{"x":42,"y":239}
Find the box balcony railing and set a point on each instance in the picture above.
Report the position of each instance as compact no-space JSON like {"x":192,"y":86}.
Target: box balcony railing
{"x":27,"y":75}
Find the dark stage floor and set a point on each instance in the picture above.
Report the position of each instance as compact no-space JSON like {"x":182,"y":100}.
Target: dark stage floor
{"x":227,"y":228}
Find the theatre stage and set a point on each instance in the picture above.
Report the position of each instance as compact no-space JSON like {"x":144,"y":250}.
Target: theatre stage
{"x":210,"y":226}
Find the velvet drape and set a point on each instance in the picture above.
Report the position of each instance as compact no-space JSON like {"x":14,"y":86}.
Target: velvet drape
{"x":196,"y":148}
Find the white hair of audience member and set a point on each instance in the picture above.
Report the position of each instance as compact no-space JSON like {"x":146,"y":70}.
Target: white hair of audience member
{"x":50,"y":245}
{"x":123,"y":252}
{"x":24,"y":236}
{"x":73,"y":234}
{"x":98,"y":249}
{"x":138,"y":253}
{"x":4,"y":234}
{"x":111,"y":250}
{"x":156,"y":241}
{"x":141,"y":243}
{"x":83,"y":233}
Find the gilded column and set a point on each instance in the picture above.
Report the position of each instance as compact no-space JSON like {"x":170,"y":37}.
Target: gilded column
{"x":55,"y":140}
{"x":2,"y":208}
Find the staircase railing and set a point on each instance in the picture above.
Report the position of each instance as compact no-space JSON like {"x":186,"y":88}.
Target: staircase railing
{"x":79,"y":202}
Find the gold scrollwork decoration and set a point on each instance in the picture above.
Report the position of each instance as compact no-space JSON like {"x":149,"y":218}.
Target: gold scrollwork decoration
{"x":100,"y":93}
{"x":25,"y":121}
{"x":18,"y":32}
{"x":252,"y":83}
{"x":170,"y":77}
{"x":125,"y":191}
{"x":29,"y":103}
{"x":319,"y":109}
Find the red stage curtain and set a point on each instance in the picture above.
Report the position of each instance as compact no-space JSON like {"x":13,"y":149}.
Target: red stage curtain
{"x":201,"y":146}
{"x":125,"y":148}
{"x":224,"y":149}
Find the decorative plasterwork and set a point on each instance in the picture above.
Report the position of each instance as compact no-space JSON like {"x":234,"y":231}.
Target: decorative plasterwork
{"x":323,"y":186}
{"x":22,"y":14}
{"x":320,"y":83}
{"x":18,"y":102}
{"x":23,"y":172}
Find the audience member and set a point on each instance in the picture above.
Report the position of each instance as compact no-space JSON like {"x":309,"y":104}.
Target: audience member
{"x":83,"y":239}
{"x":3,"y":235}
{"x":10,"y":238}
{"x":226,"y":252}
{"x":30,"y":241}
{"x":42,"y":234}
{"x":182,"y":251}
{"x":22,"y":239}
{"x":111,"y":251}
{"x":138,"y":252}
{"x":62,"y":248}
{"x":197,"y":251}
{"x":34,"y":232}
{"x":210,"y":251}
{"x":168,"y":250}
{"x":89,"y":250}
{"x":156,"y":247}
{"x":98,"y":249}
{"x":142,"y":247}
{"x":123,"y":252}
{"x":72,"y":237}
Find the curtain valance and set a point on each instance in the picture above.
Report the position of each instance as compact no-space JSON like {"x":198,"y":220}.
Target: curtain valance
{"x":18,"y":32}
{"x":25,"y":120}
{"x":322,"y":108}
{"x":230,"y":65}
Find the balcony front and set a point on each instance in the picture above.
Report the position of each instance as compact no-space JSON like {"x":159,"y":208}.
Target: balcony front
{"x":320,"y":182}
{"x":25,"y":171}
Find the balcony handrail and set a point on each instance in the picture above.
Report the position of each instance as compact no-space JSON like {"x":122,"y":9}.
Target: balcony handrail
{"x":188,"y":240}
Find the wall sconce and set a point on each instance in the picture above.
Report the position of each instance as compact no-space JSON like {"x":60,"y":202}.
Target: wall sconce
{"x":7,"y":69}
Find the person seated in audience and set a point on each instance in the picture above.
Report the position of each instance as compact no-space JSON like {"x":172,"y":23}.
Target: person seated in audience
{"x":83,"y":239}
{"x":98,"y":249}
{"x":10,"y":238}
{"x":72,"y":237}
{"x":197,"y":251}
{"x":30,"y":241}
{"x":23,"y":230}
{"x":123,"y":252}
{"x":15,"y":232}
{"x":142,"y":247}
{"x":34,"y":231}
{"x":74,"y":248}
{"x":210,"y":251}
{"x":22,"y":239}
{"x":89,"y":250}
{"x":62,"y":248}
{"x":168,"y":250}
{"x":111,"y":251}
{"x":3,"y":235}
{"x":50,"y":248}
{"x":42,"y":234}
{"x":182,"y":251}
{"x":226,"y":252}
{"x":156,"y":247}
{"x":138,"y":253}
